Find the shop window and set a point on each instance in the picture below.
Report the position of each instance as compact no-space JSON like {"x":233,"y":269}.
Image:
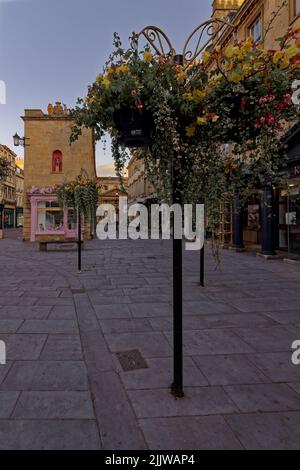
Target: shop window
{"x":50,"y":217}
{"x":255,"y":30}
{"x":57,"y":161}
{"x":72,"y":219}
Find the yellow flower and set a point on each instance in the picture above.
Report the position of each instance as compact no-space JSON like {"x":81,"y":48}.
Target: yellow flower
{"x":187,"y":96}
{"x":190,"y":130}
{"x":122,"y":69}
{"x":235,"y":77}
{"x":231,"y":52}
{"x":249,"y":41}
{"x":229,"y":66}
{"x":206,"y":57}
{"x":291,"y":52}
{"x":277,"y":57}
{"x":246,"y":69}
{"x":111,"y":70}
{"x":201,"y":121}
{"x":218,"y":78}
{"x":106,"y":82}
{"x":199,"y":94}
{"x":148,"y":56}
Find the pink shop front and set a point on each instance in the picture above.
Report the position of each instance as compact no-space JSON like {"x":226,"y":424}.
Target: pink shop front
{"x":48,"y":219}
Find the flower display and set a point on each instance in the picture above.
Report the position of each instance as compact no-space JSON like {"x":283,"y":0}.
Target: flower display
{"x":81,"y":193}
{"x":239,"y":94}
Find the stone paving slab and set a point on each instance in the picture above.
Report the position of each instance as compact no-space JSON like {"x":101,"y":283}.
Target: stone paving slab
{"x":137,"y":325}
{"x":119,"y":427}
{"x":8,"y":401}
{"x":150,"y":309}
{"x":201,"y":433}
{"x":112,"y":311}
{"x":46,"y":375}
{"x":53,"y":405}
{"x":277,"y":366}
{"x":24,"y":312}
{"x":198,"y":401}
{"x":10,"y":326}
{"x":60,"y":326}
{"x":222,"y":341}
{"x":226,"y":370}
{"x":267,"y":431}
{"x":62,"y":348}
{"x":62,"y":313}
{"x":273,"y":339}
{"x":260,"y":398}
{"x":23,"y":346}
{"x":296,"y":386}
{"x":49,"y":435}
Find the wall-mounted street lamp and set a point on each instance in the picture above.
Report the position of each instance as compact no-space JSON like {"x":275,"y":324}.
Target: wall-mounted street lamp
{"x":20,"y":141}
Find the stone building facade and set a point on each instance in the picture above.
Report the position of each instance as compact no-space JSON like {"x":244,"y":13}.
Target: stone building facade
{"x":50,"y":159}
{"x":111,"y":191}
{"x":8,"y":190}
{"x":19,"y":195}
{"x":139,"y":187}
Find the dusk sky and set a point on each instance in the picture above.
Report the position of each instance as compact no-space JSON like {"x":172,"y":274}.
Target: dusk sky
{"x":51,"y":50}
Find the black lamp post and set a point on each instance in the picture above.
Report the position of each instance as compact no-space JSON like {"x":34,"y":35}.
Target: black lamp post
{"x":158,"y":40}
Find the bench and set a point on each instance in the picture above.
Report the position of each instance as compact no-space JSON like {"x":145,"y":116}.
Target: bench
{"x":43,"y":245}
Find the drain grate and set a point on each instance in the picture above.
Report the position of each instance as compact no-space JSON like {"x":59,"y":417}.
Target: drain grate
{"x":78,"y":291}
{"x":131,"y":360}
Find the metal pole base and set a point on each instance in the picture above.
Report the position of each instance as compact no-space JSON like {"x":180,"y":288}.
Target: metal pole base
{"x":202,"y":267}
{"x":177,"y":391}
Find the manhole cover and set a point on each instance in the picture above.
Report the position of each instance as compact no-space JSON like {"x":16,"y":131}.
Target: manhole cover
{"x":77,"y":291}
{"x":131,"y":360}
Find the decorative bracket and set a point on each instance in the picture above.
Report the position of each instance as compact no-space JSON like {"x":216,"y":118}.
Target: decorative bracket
{"x":204,"y":34}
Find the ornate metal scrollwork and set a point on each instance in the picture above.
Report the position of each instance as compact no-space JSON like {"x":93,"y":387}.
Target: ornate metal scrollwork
{"x":158,"y":40}
{"x":205,"y":33}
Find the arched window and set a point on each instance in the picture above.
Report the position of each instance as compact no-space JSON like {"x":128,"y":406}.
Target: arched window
{"x":57,"y":161}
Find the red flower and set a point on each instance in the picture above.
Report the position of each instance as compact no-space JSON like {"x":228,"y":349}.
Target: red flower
{"x":243,"y":104}
{"x":270,"y":119}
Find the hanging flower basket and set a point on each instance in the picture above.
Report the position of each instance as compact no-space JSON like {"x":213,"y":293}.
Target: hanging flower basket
{"x":135,"y":127}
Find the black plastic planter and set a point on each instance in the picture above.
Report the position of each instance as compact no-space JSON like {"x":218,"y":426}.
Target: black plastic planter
{"x":135,"y":127}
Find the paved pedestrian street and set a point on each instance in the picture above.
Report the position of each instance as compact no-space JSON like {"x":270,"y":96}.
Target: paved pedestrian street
{"x":64,"y":385}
